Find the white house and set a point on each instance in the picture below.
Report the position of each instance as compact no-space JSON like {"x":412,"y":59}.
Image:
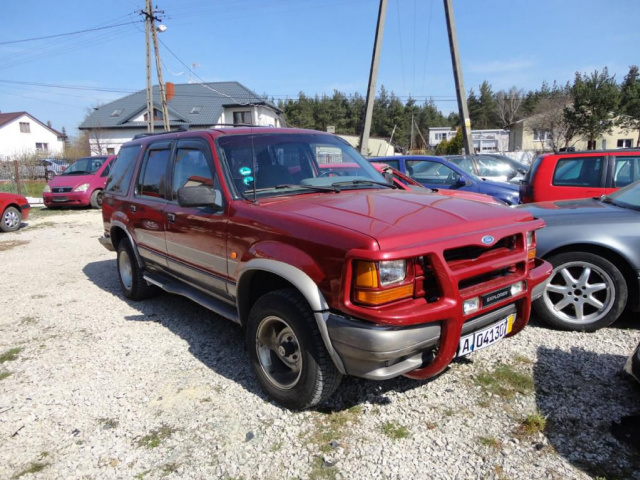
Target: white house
{"x":193,"y":106}
{"x":484,"y":141}
{"x":23,"y":134}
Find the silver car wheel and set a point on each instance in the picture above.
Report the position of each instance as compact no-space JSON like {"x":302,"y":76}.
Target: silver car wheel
{"x":580,"y":292}
{"x":125,"y":269}
{"x":11,"y":219}
{"x":279,"y":352}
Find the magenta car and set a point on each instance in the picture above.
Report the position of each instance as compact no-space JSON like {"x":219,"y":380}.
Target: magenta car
{"x":80,"y":185}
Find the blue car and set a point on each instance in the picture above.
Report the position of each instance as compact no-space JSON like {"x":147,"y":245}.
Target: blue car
{"x":437,"y":172}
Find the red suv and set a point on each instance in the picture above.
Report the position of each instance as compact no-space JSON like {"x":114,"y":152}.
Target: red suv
{"x":332,"y":271}
{"x":567,"y":175}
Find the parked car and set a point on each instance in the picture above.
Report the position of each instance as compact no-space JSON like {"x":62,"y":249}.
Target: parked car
{"x":594,"y":247}
{"x":50,"y":167}
{"x":566,"y":175}
{"x":80,"y":185}
{"x":491,"y":166}
{"x":407,"y":183}
{"x":437,"y":172}
{"x":331,"y":272}
{"x":15,"y":208}
{"x":632,"y":367}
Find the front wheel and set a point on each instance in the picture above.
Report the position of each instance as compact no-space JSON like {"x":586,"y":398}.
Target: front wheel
{"x":96,"y":199}
{"x":133,"y":284}
{"x":11,"y":219}
{"x":586,"y":292}
{"x":287,"y":353}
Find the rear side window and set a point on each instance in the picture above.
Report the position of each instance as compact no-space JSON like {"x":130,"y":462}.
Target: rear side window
{"x":531,"y":173}
{"x":626,"y":171}
{"x":122,"y":170}
{"x":578,"y":172}
{"x":153,"y":175}
{"x":392,"y":163}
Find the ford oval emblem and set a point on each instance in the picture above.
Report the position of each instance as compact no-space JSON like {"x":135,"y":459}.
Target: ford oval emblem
{"x":487,"y":239}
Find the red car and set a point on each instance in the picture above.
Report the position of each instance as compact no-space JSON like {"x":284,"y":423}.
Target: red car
{"x":15,"y":208}
{"x":569,"y":175}
{"x":80,"y":185}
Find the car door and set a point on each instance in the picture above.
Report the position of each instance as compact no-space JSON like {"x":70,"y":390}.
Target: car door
{"x":434,"y":174}
{"x":146,"y":211}
{"x":578,"y":177}
{"x":624,"y":169}
{"x":196,"y":236}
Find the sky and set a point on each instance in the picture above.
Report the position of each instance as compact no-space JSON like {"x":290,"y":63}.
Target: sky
{"x":58,"y":60}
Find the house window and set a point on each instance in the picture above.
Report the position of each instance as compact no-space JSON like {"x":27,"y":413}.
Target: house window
{"x":25,"y":127}
{"x":157,"y":115}
{"x":624,"y":143}
{"x":111,"y":151}
{"x":240,"y":118}
{"x":117,"y":112}
{"x":541,"y":135}
{"x":42,"y":147}
{"x":196,"y":110}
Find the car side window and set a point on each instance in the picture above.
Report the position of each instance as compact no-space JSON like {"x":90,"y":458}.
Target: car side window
{"x":153,"y":175}
{"x":122,"y":171}
{"x":190,"y":169}
{"x":491,"y":167}
{"x":431,"y":172}
{"x":578,"y":172}
{"x":626,"y":171}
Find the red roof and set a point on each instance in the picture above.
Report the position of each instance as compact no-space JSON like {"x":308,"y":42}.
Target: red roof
{"x":7,"y":117}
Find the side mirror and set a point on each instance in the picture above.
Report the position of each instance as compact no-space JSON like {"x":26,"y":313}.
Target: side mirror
{"x":199,"y":196}
{"x":460,"y":181}
{"x":388,"y":176}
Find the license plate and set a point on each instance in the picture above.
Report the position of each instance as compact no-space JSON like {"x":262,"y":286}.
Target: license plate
{"x":60,"y":199}
{"x":486,"y":337}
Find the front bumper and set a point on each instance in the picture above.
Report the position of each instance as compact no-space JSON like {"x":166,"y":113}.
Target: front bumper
{"x":76,"y":199}
{"x":379,"y":352}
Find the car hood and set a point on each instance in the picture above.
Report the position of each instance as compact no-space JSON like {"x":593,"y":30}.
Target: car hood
{"x":70,"y":180}
{"x":504,"y":186}
{"x":580,"y":211}
{"x":400,"y":218}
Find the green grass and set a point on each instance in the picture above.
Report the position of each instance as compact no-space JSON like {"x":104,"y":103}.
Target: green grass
{"x":29,"y":188}
{"x":333,"y":426}
{"x":155,"y":437}
{"x":35,"y":467}
{"x":491,"y":442}
{"x":395,"y":431}
{"x":532,"y":424}
{"x":505,"y":382}
{"x":319,"y":471}
{"x":4,"y":375}
{"x":10,"y":355}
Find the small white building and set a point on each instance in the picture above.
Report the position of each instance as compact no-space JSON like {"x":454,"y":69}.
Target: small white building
{"x":193,"y":106}
{"x":23,"y":134}
{"x":484,"y":141}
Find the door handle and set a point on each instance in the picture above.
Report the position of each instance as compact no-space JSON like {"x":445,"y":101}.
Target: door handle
{"x":171,"y":217}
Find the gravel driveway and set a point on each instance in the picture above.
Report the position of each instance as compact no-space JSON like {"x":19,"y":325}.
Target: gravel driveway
{"x":95,"y":386}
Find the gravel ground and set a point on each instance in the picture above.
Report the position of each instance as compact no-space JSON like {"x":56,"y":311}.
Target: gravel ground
{"x":95,"y":386}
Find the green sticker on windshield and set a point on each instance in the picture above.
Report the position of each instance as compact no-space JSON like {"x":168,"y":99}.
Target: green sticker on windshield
{"x":244,"y":171}
{"x":247,"y":180}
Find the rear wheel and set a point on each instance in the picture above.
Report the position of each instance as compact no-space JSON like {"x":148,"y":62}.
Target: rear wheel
{"x":586,"y":292}
{"x":287,"y":352}
{"x":96,"y":199}
{"x":11,"y":219}
{"x":134,"y":286}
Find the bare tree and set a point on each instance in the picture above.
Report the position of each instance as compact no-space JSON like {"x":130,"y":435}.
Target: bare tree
{"x":550,"y":119}
{"x":508,"y":104}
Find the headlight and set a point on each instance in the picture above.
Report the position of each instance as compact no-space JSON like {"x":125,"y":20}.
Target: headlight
{"x":81,"y":188}
{"x":392,"y":271}
{"x":46,"y":189}
{"x":531,"y":242}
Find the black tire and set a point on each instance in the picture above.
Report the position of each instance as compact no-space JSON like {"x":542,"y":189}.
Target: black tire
{"x":11,"y":219}
{"x":96,"y":199}
{"x":133,"y":285}
{"x":586,"y":292}
{"x":287,"y":353}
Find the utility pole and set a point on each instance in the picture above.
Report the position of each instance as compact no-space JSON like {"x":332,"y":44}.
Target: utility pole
{"x":373,"y":75}
{"x":463,"y":111}
{"x":150,"y":27}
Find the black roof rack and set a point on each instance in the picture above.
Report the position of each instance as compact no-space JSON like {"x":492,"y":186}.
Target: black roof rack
{"x":234,"y":125}
{"x":181,"y":128}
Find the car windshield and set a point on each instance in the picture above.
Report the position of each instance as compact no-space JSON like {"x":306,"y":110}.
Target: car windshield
{"x":84,"y":166}
{"x":285,"y":163}
{"x":626,"y":197}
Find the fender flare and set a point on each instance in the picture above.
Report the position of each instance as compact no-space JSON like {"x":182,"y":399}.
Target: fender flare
{"x":121,"y":226}
{"x":304,"y":284}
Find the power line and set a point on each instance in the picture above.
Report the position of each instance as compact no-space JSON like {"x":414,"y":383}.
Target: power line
{"x":67,"y":34}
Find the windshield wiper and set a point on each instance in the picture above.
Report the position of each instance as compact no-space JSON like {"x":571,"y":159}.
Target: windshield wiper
{"x":346,"y":183}
{"x":319,"y":188}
